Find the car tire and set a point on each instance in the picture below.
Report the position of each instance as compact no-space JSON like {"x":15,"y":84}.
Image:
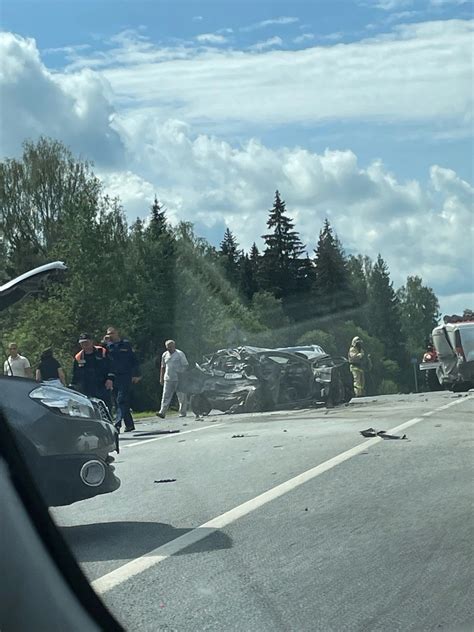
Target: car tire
{"x":254,"y":401}
{"x":337,"y":394}
{"x":461,"y":387}
{"x":200,"y":405}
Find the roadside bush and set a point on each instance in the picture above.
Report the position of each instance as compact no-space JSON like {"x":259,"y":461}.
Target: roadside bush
{"x":388,"y":387}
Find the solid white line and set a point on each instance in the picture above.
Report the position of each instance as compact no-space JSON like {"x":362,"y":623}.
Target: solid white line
{"x":140,"y":564}
{"x":169,"y":436}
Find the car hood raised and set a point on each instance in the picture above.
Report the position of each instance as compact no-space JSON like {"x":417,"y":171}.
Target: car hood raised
{"x":28,"y":283}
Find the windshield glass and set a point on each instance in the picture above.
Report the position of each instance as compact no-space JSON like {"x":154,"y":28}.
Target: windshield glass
{"x":264,"y":212}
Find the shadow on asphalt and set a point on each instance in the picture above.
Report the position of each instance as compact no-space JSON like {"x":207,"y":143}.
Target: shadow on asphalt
{"x":104,"y":541}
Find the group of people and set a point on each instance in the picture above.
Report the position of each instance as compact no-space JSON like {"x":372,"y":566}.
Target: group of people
{"x":106,"y":371}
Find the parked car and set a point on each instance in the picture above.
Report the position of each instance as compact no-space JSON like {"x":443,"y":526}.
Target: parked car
{"x":454,"y":344}
{"x":252,"y":379}
{"x":67,"y":437}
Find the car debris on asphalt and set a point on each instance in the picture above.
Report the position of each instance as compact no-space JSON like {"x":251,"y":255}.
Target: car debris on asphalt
{"x":166,"y":480}
{"x":382,"y":434}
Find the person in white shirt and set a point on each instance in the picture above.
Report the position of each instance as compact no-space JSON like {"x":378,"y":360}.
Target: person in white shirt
{"x":173,"y":362}
{"x":16,"y":365}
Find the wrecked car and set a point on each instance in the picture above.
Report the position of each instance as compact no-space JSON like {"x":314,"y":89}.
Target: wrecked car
{"x":253,"y":379}
{"x":454,"y":344}
{"x":66,"y":437}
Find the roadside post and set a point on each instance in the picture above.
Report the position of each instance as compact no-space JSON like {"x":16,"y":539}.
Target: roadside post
{"x":414,"y":361}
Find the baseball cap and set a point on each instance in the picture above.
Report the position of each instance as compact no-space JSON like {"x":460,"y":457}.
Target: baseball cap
{"x":83,"y":337}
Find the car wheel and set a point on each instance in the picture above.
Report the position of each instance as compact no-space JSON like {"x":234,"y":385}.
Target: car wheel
{"x":254,"y":401}
{"x":337,"y":393}
{"x":461,"y":387}
{"x":200,"y":405}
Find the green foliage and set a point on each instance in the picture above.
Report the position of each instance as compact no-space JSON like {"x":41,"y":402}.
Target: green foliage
{"x":332,"y":288}
{"x":280,"y":266}
{"x":155,"y":281}
{"x":419,"y":309}
{"x":383,"y":314}
{"x":388,"y":387}
{"x":322,"y":338}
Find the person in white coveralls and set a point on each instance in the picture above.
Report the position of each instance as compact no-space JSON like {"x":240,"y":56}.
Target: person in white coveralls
{"x":173,"y":362}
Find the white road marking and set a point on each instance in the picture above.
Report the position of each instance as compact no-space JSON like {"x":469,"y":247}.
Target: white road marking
{"x":144,"y":562}
{"x":169,"y":436}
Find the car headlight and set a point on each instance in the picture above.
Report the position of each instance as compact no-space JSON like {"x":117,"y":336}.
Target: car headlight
{"x":64,"y":401}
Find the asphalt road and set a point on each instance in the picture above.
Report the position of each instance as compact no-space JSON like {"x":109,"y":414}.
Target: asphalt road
{"x":301,"y":524}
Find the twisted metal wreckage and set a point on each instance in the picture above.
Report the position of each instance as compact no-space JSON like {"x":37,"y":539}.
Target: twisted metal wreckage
{"x":253,"y":379}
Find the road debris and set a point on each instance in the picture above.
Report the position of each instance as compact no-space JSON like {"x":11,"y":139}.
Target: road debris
{"x":371,"y":432}
{"x":238,"y":436}
{"x":156,"y":432}
{"x":166,"y":480}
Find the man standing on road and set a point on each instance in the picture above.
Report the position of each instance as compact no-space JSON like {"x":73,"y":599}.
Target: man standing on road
{"x":357,"y":362}
{"x":173,"y":362}
{"x":126,"y":371}
{"x":92,"y":372}
{"x":16,"y":365}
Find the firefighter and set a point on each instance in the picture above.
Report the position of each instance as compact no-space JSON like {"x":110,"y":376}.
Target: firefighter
{"x":92,"y":372}
{"x":357,"y":361}
{"x":127,"y":372}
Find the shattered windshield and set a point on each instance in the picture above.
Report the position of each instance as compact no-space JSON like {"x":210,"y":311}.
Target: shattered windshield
{"x":247,"y":402}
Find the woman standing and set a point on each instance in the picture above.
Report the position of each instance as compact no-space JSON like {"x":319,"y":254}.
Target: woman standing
{"x":49,"y":369}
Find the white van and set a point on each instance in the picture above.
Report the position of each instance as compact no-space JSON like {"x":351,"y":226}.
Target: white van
{"x":454,"y":344}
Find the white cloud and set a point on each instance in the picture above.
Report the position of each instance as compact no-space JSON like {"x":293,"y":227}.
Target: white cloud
{"x":441,"y":3}
{"x":211,"y":38}
{"x":419,"y":229}
{"x":281,"y":21}
{"x":389,"y":5}
{"x":197,"y":18}
{"x":332,"y":37}
{"x":75,"y":108}
{"x":419,"y":73}
{"x":304,"y":37}
{"x":269,"y":43}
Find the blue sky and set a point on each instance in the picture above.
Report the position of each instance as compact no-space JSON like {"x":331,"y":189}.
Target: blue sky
{"x":356,"y":110}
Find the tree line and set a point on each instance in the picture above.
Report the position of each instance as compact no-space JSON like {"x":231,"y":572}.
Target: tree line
{"x":154,"y":280}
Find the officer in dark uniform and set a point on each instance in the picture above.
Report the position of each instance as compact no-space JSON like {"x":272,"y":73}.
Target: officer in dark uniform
{"x":127,"y":372}
{"x":92,"y":372}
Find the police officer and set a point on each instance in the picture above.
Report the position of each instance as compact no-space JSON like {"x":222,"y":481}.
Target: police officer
{"x":92,"y":372}
{"x":127,"y":372}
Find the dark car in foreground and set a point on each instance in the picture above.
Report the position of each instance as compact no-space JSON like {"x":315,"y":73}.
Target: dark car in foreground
{"x":252,"y":379}
{"x":66,"y":437}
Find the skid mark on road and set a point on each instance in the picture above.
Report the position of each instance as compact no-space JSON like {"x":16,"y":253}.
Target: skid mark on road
{"x":169,"y":436}
{"x":161,"y":553}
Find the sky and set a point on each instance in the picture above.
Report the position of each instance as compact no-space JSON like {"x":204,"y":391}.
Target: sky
{"x":359,"y":111}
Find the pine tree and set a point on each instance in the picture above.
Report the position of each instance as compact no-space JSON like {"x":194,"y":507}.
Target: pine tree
{"x":230,"y":256}
{"x":384,"y":313}
{"x":157,"y":225}
{"x":283,"y":248}
{"x":332,"y":289}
